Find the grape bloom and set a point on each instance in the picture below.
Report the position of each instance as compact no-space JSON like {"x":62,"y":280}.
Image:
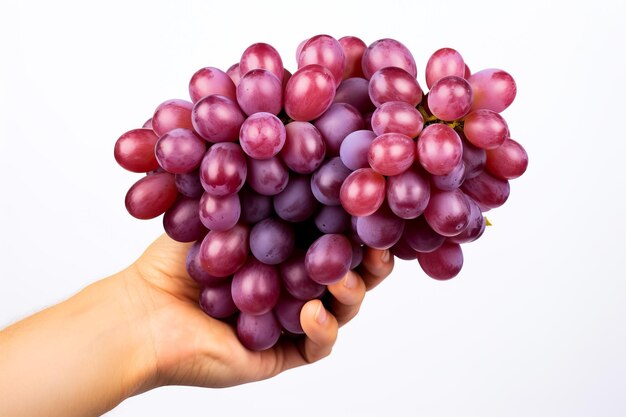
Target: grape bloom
{"x":281,"y":178}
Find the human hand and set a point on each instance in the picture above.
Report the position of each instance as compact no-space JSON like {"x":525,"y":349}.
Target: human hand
{"x":191,"y":348}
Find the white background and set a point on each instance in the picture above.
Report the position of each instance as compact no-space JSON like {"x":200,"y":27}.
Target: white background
{"x":533,"y":325}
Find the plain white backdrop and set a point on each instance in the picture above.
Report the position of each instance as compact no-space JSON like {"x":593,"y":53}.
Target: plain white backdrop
{"x":533,"y":326}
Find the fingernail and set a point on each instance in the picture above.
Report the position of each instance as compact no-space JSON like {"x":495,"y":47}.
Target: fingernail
{"x":385,"y":256}
{"x":350,"y":281}
{"x":321,"y":315}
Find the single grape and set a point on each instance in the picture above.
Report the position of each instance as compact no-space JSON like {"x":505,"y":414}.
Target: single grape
{"x":217,"y":301}
{"x":296,"y":202}
{"x":309,"y":93}
{"x":403,"y":250}
{"x":354,"y":149}
{"x":508,"y":161}
{"x":448,"y":212}
{"x":258,"y":332}
{"x":254,"y":206}
{"x":219,"y":213}
{"x":362,"y":192}
{"x":494,"y":89}
{"x":297,"y":281}
{"x":451,"y":180}
{"x":450,"y":98}
{"x":287,"y":311}
{"x":180,"y":151}
{"x":171,"y":114}
{"x":208,"y":81}
{"x":182,"y":222}
{"x":387,"y":53}
{"x":326,"y":51}
{"x":474,"y":158}
{"x":189,"y":184}
{"x":217,"y":118}
{"x":357,"y":254}
{"x":397,"y":117}
{"x":328,"y":259}
{"x":439,"y":149}
{"x":147,"y":124}
{"x":487,"y":190}
{"x":272,"y":241}
{"x":420,"y":236}
{"x":353,"y":49}
{"x":336,"y":123}
{"x":224,"y":252}
{"x":223,"y":170}
{"x":264,"y":56}
{"x":197,"y":272}
{"x":442,"y":263}
{"x":355,"y":91}
{"x":255,"y":287}
{"x":394,"y":84}
{"x":262,"y":135}
{"x":134,"y":150}
{"x":485,"y":129}
{"x":391,"y":153}
{"x":267,"y":176}
{"x":260,"y":90}
{"x":326,"y":182}
{"x":408,"y":193}
{"x":304,"y":148}
{"x":235,"y":75}
{"x":444,"y":62}
{"x":151,"y":196}
{"x":380,"y":230}
{"x":332,"y":219}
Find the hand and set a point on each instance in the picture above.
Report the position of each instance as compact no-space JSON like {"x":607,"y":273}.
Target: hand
{"x":191,"y":348}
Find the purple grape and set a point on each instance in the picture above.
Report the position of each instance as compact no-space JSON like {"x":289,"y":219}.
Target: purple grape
{"x":328,"y":259}
{"x":217,"y":118}
{"x":326,"y":51}
{"x":258,"y":332}
{"x":296,"y":202}
{"x":196,"y":271}
{"x":355,"y":91}
{"x":450,"y":181}
{"x":442,"y":263}
{"x":304,"y":148}
{"x":182,"y":222}
{"x":474,"y":158}
{"x":262,"y":135}
{"x":309,"y":93}
{"x":287,"y":311}
{"x":223,"y":170}
{"x":217,"y":301}
{"x":439,"y":149}
{"x":354,"y":149}
{"x":180,"y":151}
{"x":272,"y":241}
{"x":408,"y":193}
{"x":256,"y":287}
{"x":397,"y":117}
{"x":487,"y":190}
{"x":494,"y":89}
{"x":326,"y":182}
{"x":297,"y":281}
{"x":267,"y":176}
{"x":387,"y":53}
{"x":362,"y":192}
{"x":450,"y":98}
{"x":391,"y":153}
{"x":208,"y":81}
{"x":508,"y":161}
{"x":261,"y":55}
{"x":353,"y":48}
{"x":254,"y":206}
{"x":444,"y":62}
{"x":189,"y":184}
{"x":357,"y":254}
{"x":380,"y":230}
{"x":332,"y":219}
{"x":219,"y":213}
{"x":476,"y":227}
{"x":259,"y":90}
{"x":394,"y":84}
{"x":223,"y":253}
{"x":448,"y":212}
{"x":403,"y":250}
{"x":485,"y":129}
{"x":134,"y":150}
{"x":420,"y":236}
{"x":336,"y":123}
{"x":151,"y":196}
{"x":172,"y":114}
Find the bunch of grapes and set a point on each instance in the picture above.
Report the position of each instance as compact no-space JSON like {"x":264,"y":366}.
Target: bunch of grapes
{"x":281,"y":179}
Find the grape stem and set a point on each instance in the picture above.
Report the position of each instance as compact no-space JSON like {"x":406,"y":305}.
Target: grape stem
{"x":430,"y":119}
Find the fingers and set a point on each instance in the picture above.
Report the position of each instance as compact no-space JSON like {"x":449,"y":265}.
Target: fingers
{"x":347,"y":296}
{"x":376,"y":266}
{"x":320,"y":327}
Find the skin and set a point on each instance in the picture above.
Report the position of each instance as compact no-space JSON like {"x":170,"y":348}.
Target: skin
{"x":142,"y":328}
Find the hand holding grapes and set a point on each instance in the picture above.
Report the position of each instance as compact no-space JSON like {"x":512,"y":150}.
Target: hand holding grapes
{"x":142,"y":328}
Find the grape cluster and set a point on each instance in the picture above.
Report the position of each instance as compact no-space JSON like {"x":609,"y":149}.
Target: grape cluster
{"x":281,"y":179}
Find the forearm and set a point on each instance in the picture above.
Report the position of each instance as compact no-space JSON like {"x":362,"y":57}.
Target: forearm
{"x":78,"y":358}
